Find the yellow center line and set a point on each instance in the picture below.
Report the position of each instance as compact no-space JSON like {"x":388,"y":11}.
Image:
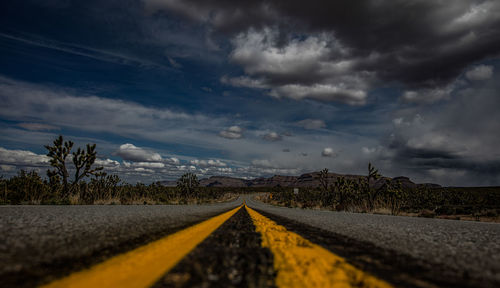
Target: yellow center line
{"x":143,"y":266}
{"x":300,"y":263}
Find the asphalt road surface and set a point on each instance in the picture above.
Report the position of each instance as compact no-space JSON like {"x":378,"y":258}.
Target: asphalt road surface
{"x":37,"y":241}
{"x":42,"y":243}
{"x":457,"y":250}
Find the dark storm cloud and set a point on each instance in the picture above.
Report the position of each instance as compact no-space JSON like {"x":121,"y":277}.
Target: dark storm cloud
{"x":419,"y":41}
{"x":457,"y":142}
{"x":421,"y":44}
{"x":405,"y":152}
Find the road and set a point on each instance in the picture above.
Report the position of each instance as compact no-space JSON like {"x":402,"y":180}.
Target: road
{"x":36,"y":241}
{"x":455,"y":249}
{"x":39,"y":244}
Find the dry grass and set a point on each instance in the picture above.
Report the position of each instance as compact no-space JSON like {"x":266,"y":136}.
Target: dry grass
{"x":110,"y":201}
{"x":143,"y":201}
{"x":382,"y":211}
{"x":74,"y":199}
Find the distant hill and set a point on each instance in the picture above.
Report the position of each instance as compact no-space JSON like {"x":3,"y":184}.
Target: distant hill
{"x":304,"y":180}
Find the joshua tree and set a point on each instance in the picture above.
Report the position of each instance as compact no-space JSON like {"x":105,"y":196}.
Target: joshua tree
{"x":346,"y":189}
{"x":323,"y":179}
{"x":370,"y":192}
{"x":394,"y":194}
{"x":82,"y":160}
{"x":328,"y":195}
{"x":188,"y":183}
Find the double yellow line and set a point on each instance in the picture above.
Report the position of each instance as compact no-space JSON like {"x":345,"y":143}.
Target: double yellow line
{"x":298,"y":262}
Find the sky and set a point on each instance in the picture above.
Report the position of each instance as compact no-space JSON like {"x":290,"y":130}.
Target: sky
{"x":255,"y":88}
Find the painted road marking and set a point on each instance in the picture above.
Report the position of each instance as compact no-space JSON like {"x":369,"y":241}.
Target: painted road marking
{"x":143,"y":266}
{"x":300,"y":263}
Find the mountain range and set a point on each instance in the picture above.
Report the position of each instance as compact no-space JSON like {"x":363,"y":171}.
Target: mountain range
{"x":304,"y":180}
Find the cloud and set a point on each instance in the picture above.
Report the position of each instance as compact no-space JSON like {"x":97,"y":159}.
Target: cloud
{"x":148,"y":165}
{"x":131,"y":152}
{"x":174,"y":63}
{"x":208,"y":163}
{"x":312,"y":124}
{"x":7,"y":168}
{"x":80,"y":50}
{"x":327,"y":152}
{"x":129,"y":171}
{"x":143,"y":170}
{"x":320,"y":92}
{"x":368,"y":151}
{"x":107,"y":164}
{"x":427,"y":96}
{"x":268,"y":167}
{"x":303,"y":68}
{"x":345,"y":47}
{"x":228,"y":18}
{"x":12,"y":160}
{"x":272,"y":136}
{"x":173,"y":160}
{"x":480,"y":72}
{"x":22,"y":158}
{"x":61,"y":108}
{"x":233,"y":132}
{"x":37,"y":126}
{"x":66,"y":108}
{"x":458,"y":139}
{"x":244,"y":81}
{"x":263,"y":163}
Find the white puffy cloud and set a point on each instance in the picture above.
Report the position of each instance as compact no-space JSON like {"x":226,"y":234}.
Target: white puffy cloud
{"x":208,"y":163}
{"x":316,"y":67}
{"x":173,"y":161}
{"x":133,"y":153}
{"x":398,"y":121}
{"x":272,"y":136}
{"x":186,"y":168}
{"x":22,"y":158}
{"x":233,"y":132}
{"x":327,"y":152}
{"x":480,"y":72}
{"x":225,"y":170}
{"x":143,"y":170}
{"x":150,"y":165}
{"x":107,"y":163}
{"x":258,"y":53}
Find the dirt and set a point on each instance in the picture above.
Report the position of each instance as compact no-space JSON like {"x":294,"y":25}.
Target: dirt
{"x":231,"y":257}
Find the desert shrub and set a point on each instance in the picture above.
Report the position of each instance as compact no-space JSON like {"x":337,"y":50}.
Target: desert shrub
{"x":25,"y":188}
